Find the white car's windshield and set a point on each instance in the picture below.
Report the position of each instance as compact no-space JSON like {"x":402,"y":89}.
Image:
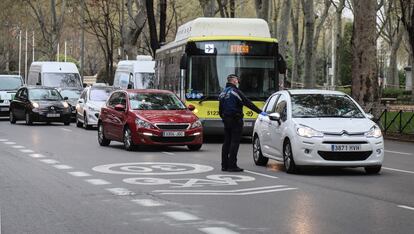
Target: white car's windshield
{"x":10,"y":82}
{"x":99,"y":95}
{"x":71,"y":93}
{"x":155,"y":101}
{"x":324,"y":106}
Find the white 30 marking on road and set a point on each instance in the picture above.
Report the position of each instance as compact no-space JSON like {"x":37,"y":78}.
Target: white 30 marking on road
{"x":120,"y":191}
{"x":97,"y":182}
{"x":79,"y":174}
{"x":147,"y":202}
{"x":217,"y":230}
{"x":397,"y":152}
{"x":181,"y":216}
{"x":152,"y":168}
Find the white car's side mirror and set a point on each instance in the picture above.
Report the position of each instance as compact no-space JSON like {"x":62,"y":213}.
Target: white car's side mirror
{"x":369,"y":116}
{"x":80,"y":101}
{"x":274,"y":117}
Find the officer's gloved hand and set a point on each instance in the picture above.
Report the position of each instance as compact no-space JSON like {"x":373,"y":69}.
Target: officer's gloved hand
{"x":263,"y":113}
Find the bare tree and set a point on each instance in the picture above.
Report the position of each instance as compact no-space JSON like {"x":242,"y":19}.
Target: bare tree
{"x":364,"y":54}
{"x":294,"y":18}
{"x":50,"y":32}
{"x":209,"y":7}
{"x":339,"y":7}
{"x":284,"y":25}
{"x":319,"y":26}
{"x":136,"y":23}
{"x":309,"y":14}
{"x":407,"y":18}
{"x":262,"y":9}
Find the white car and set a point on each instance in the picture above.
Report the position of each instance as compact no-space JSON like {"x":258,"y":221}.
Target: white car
{"x":317,"y":128}
{"x":9,"y":84}
{"x":89,"y":105}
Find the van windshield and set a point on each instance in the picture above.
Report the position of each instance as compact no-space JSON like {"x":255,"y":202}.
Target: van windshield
{"x":61,"y":80}
{"x":144,"y":80}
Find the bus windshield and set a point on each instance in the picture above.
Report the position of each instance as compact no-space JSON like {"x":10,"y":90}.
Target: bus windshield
{"x":61,"y":80}
{"x":208,"y":76}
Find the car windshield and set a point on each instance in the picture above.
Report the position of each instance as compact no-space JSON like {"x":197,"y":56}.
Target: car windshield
{"x":10,"y":82}
{"x":44,"y":94}
{"x":324,"y":106}
{"x":99,"y":95}
{"x":71,"y":93}
{"x":61,"y":80}
{"x":155,"y":101}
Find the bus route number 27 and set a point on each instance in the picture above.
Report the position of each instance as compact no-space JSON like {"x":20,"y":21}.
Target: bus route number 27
{"x":210,"y":112}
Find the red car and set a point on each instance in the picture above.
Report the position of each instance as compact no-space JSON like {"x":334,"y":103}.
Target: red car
{"x":148,"y":117}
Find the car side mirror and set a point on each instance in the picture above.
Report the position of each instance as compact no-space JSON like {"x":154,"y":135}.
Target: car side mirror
{"x":81,"y":100}
{"x":65,"y":98}
{"x":85,"y":85}
{"x":119,"y":107}
{"x":369,"y":116}
{"x":275,"y":117}
{"x":191,"y":107}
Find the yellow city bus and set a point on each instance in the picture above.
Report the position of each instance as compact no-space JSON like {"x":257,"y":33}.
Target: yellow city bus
{"x":205,"y":50}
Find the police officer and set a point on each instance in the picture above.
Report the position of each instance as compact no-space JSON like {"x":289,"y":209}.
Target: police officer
{"x":231,"y":105}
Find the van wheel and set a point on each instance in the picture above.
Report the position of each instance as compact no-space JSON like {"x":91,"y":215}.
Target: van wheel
{"x":12,"y":118}
{"x":102,"y":140}
{"x":372,"y":169}
{"x":288,"y":160}
{"x":194,"y":147}
{"x":128,"y":143}
{"x":29,"y":120}
{"x":258,"y":157}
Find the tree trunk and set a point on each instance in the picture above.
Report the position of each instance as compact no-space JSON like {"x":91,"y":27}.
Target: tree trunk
{"x":152,"y":26}
{"x":136,"y":23}
{"x":309,"y":14}
{"x":317,"y":34}
{"x":209,"y":7}
{"x":337,"y":41}
{"x":262,"y":9}
{"x":364,"y":54}
{"x":232,"y":8}
{"x":163,"y":20}
{"x":294,"y":16}
{"x":392,"y":75}
{"x":283,"y":29}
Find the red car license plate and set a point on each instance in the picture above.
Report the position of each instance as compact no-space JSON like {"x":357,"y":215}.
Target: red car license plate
{"x":173,"y":134}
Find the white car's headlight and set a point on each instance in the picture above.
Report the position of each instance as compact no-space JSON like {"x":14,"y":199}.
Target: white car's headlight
{"x":196,"y":124}
{"x":305,"y":131}
{"x":375,"y":131}
{"x":143,"y":124}
{"x":94,"y":109}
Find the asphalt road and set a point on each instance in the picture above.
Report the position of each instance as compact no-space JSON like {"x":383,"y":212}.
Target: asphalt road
{"x":57,"y":179}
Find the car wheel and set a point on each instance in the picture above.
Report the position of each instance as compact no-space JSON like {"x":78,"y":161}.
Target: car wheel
{"x":28,"y":118}
{"x":128,"y":143}
{"x":258,"y":157}
{"x":373,"y":169}
{"x":78,"y":123}
{"x":102,"y":140}
{"x":288,"y":160}
{"x":194,"y":147}
{"x":85,"y":122}
{"x":66,"y":122}
{"x":12,"y":118}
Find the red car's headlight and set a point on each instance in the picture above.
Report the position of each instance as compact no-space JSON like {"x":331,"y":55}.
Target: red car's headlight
{"x":196,"y":124}
{"x":143,"y":124}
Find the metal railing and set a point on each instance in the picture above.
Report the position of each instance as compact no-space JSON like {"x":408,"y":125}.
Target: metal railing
{"x":396,"y":121}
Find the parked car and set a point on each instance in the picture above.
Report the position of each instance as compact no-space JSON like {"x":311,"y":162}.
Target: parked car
{"x":148,"y":117}
{"x":39,"y":104}
{"x":73,"y":95}
{"x":317,"y":128}
{"x":9,"y":84}
{"x":89,"y":105}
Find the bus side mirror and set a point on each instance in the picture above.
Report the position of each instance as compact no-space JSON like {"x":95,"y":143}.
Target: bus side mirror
{"x":183,"y":62}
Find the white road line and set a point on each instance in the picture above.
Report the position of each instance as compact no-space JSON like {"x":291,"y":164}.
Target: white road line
{"x":147,"y":202}
{"x":65,"y":129}
{"x":393,"y":169}
{"x":63,"y":167}
{"x":406,"y":207}
{"x":120,"y":191}
{"x":26,"y":151}
{"x":97,"y":182}
{"x":168,"y":153}
{"x":397,"y":152}
{"x":1,"y":140}
{"x":37,"y":155}
{"x":181,"y":216}
{"x":261,"y":174}
{"x":79,"y":173}
{"x":18,"y":146}
{"x":9,"y":142}
{"x":217,"y":230}
{"x":49,"y":161}
{"x":223,"y":191}
{"x":231,"y":194}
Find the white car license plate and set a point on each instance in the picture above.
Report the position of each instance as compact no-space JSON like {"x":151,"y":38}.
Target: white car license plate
{"x":344,"y":147}
{"x":4,"y":109}
{"x":173,"y":134}
{"x":51,"y":115}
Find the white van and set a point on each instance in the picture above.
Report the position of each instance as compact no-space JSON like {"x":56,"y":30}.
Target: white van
{"x":139,"y":74}
{"x":54,"y":74}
